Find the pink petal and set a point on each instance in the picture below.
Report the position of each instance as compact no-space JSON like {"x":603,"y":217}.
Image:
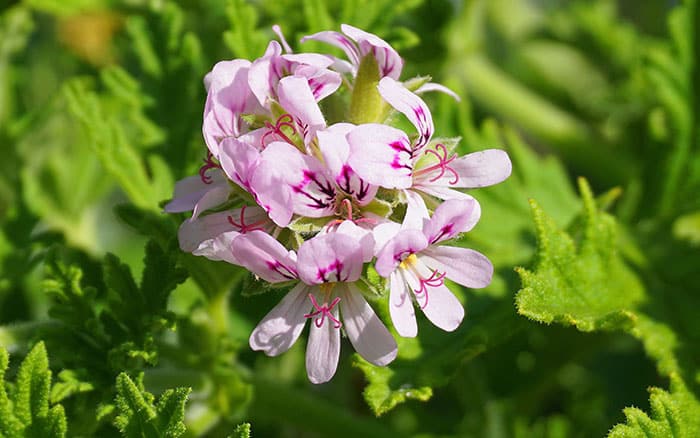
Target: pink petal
{"x":462,"y":265}
{"x":403,"y":315}
{"x":330,"y":258}
{"x":479,"y":169}
{"x":322,"y":82}
{"x":281,"y":327}
{"x":444,"y":309}
{"x":271,"y":193}
{"x":265,"y":257}
{"x":338,"y":40}
{"x":228,"y":97}
{"x":362,"y":235}
{"x":214,"y":197}
{"x":336,"y":151}
{"x":432,"y":86}
{"x":189,"y":191}
{"x":365,"y":330}
{"x":297,"y":98}
{"x":193,"y":232}
{"x":323,"y":351}
{"x":381,"y":155}
{"x":416,"y":210}
{"x":278,"y":31}
{"x":218,"y":248}
{"x":451,"y":218}
{"x":439,"y":305}
{"x":389,"y":61}
{"x":383,"y":233}
{"x":302,"y":177}
{"x":239,"y":159}
{"x":411,"y":106}
{"x":405,"y":243}
{"x":441,"y":192}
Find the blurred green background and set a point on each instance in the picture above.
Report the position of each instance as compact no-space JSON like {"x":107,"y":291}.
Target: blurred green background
{"x":100,"y":113}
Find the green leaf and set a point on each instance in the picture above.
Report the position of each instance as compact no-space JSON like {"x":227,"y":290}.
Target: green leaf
{"x":27,"y":414}
{"x":241,"y":431}
{"x":138,"y":416}
{"x":584,"y":284}
{"x":673,"y":414}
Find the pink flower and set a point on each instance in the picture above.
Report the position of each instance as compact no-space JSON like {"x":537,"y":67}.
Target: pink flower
{"x":328,"y":265}
{"x":357,"y":44}
{"x":416,"y":267}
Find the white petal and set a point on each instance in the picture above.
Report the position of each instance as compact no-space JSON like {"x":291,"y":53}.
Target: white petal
{"x":443,"y":308}
{"x":464,"y":266}
{"x":432,"y":86}
{"x":401,"y":309}
{"x":365,"y":330}
{"x":280,"y":328}
{"x":411,"y":106}
{"x":323,"y":350}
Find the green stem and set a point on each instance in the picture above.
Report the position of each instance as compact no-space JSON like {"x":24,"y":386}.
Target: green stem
{"x":274,"y":402}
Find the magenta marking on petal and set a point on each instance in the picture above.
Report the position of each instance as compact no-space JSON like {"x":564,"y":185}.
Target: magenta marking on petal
{"x":335,"y":267}
{"x":209,"y":164}
{"x":325,"y":311}
{"x":285,"y":271}
{"x":435,"y":280}
{"x":445,"y":230}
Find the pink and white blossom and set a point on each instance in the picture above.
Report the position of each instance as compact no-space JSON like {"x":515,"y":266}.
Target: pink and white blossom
{"x":327,"y":266}
{"x":417,"y":267}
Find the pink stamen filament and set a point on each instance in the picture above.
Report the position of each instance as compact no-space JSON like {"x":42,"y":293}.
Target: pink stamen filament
{"x":435,"y":280}
{"x":442,"y":165}
{"x":285,"y":120}
{"x":348,"y":206}
{"x":324,"y":311}
{"x":245,"y":228}
{"x":209,"y":164}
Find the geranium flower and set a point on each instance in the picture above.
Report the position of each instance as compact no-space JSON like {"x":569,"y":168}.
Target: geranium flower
{"x":417,"y":266}
{"x":327,"y":266}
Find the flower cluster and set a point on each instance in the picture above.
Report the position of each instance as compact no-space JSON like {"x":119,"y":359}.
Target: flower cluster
{"x":321,"y":207}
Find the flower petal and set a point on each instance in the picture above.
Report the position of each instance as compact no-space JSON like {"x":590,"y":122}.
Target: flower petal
{"x":262,"y":78}
{"x":365,"y":330}
{"x":265,"y":257}
{"x":338,"y":40}
{"x":189,"y":191}
{"x":305,"y":180}
{"x":297,"y":98}
{"x":401,"y":309}
{"x":330,"y":258}
{"x":479,"y":169}
{"x":405,"y":243}
{"x":462,"y":265}
{"x":416,"y":211}
{"x":239,"y":160}
{"x":362,"y":235}
{"x":218,"y":248}
{"x":381,"y":155}
{"x":228,"y":97}
{"x":336,"y":151}
{"x":215,"y":196}
{"x":281,"y":327}
{"x":432,"y":86}
{"x":323,"y":351}
{"x":193,"y":232}
{"x":389,"y":62}
{"x":451,"y":218}
{"x":411,"y":106}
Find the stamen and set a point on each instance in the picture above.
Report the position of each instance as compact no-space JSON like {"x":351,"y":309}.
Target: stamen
{"x":442,"y":165}
{"x":209,"y":164}
{"x":285,"y":120}
{"x":435,"y":280}
{"x":243,"y":227}
{"x":324,"y":311}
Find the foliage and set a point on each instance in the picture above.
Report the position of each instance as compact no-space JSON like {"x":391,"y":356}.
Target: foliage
{"x":594,"y":298}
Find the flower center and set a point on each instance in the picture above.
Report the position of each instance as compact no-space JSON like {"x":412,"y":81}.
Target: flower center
{"x":436,"y":279}
{"x":408,"y":262}
{"x":244,"y":227}
{"x":284,"y":121}
{"x":442,"y":165}
{"x":323,"y":311}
